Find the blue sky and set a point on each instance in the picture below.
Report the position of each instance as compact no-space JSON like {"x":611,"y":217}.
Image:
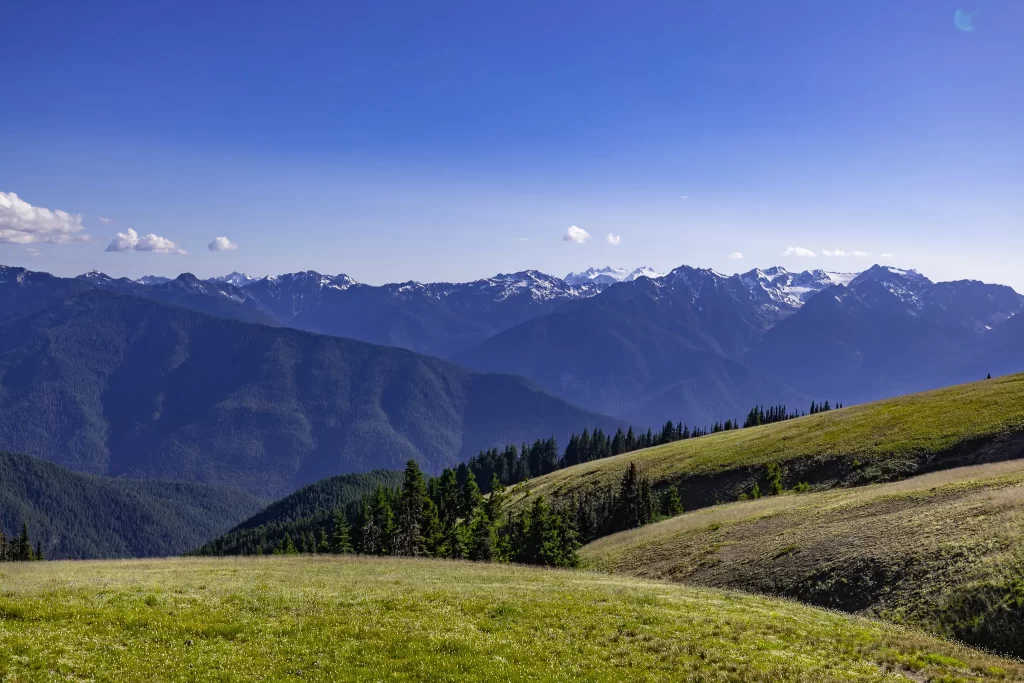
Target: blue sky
{"x":453,"y":140}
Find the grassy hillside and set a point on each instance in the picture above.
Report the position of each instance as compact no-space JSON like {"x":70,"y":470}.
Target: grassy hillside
{"x":944,"y":551}
{"x":122,"y":385}
{"x":83,"y":516}
{"x":362,"y":619}
{"x":887,"y":440}
{"x":311,"y":507}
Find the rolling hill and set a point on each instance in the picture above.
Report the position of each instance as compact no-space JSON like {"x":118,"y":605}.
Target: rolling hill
{"x":77,"y":515}
{"x":126,"y":386}
{"x":943,"y":551}
{"x":887,"y":440}
{"x":361,"y":619}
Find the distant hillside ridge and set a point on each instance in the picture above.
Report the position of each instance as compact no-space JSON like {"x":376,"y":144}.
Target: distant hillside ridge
{"x":81,"y":516}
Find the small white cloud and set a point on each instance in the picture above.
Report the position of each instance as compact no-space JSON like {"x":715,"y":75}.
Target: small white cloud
{"x":839,"y":252}
{"x":577,"y":235}
{"x":22,"y":223}
{"x":736,"y":256}
{"x":613,"y":239}
{"x":32,"y":251}
{"x":130,"y":241}
{"x":799,"y":251}
{"x":104,"y":219}
{"x":221,"y":244}
{"x":886,"y":255}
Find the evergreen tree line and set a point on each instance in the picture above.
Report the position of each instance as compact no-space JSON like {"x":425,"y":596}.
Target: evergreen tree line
{"x":759,"y":415}
{"x":446,"y":517}
{"x":19,"y":548}
{"x":511,"y":465}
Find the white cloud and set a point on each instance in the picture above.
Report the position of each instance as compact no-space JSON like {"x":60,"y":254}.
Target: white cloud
{"x":104,"y":219}
{"x":32,"y":251}
{"x":799,"y":251}
{"x":839,"y":252}
{"x":22,"y":223}
{"x":577,"y":235}
{"x":222,"y":244}
{"x":130,"y":241}
{"x":736,"y":256}
{"x":613,"y":239}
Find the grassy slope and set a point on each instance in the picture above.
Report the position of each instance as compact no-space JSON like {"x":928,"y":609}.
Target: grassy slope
{"x":368,"y":619}
{"x":944,"y":551}
{"x":78,"y":515}
{"x":887,"y":440}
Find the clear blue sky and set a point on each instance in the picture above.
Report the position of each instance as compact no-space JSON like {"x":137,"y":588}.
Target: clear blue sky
{"x":452,"y":140}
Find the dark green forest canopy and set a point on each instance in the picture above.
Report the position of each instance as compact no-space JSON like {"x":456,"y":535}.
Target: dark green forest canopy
{"x":78,"y":516}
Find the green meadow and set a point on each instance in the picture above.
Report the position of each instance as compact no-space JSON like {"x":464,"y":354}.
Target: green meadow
{"x":361,"y":619}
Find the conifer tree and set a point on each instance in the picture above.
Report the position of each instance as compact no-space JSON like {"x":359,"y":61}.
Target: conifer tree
{"x":412,"y":520}
{"x":471,"y":496}
{"x":23,"y":547}
{"x":449,"y":501}
{"x":341,"y":540}
{"x":671,"y":504}
{"x":322,"y":546}
{"x":378,"y":524}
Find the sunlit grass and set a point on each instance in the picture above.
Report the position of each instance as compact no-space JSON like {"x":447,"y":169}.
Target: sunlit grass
{"x":362,"y":619}
{"x":885,"y":440}
{"x":944,"y":551}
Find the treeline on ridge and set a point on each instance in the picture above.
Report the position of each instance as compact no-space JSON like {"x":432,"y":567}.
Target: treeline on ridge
{"x":512,"y":465}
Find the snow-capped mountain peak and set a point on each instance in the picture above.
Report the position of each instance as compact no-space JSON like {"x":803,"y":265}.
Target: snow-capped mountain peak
{"x":237,"y":279}
{"x":149,"y":280}
{"x":610,"y":275}
{"x":791,"y":290}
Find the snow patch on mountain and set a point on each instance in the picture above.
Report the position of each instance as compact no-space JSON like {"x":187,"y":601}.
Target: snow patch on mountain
{"x":609,"y":275}
{"x":237,"y":279}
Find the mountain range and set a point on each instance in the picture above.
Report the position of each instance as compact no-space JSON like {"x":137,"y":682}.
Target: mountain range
{"x":692,"y":345}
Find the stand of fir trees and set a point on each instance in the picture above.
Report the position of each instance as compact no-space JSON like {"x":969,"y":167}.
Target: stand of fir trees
{"x":448,"y":516}
{"x":19,"y":548}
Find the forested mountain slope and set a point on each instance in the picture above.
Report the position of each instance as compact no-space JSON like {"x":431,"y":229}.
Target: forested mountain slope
{"x":123,"y":385}
{"x":76,"y":515}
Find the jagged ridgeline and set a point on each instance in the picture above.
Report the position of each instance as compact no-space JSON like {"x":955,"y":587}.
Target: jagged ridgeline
{"x":79,"y":516}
